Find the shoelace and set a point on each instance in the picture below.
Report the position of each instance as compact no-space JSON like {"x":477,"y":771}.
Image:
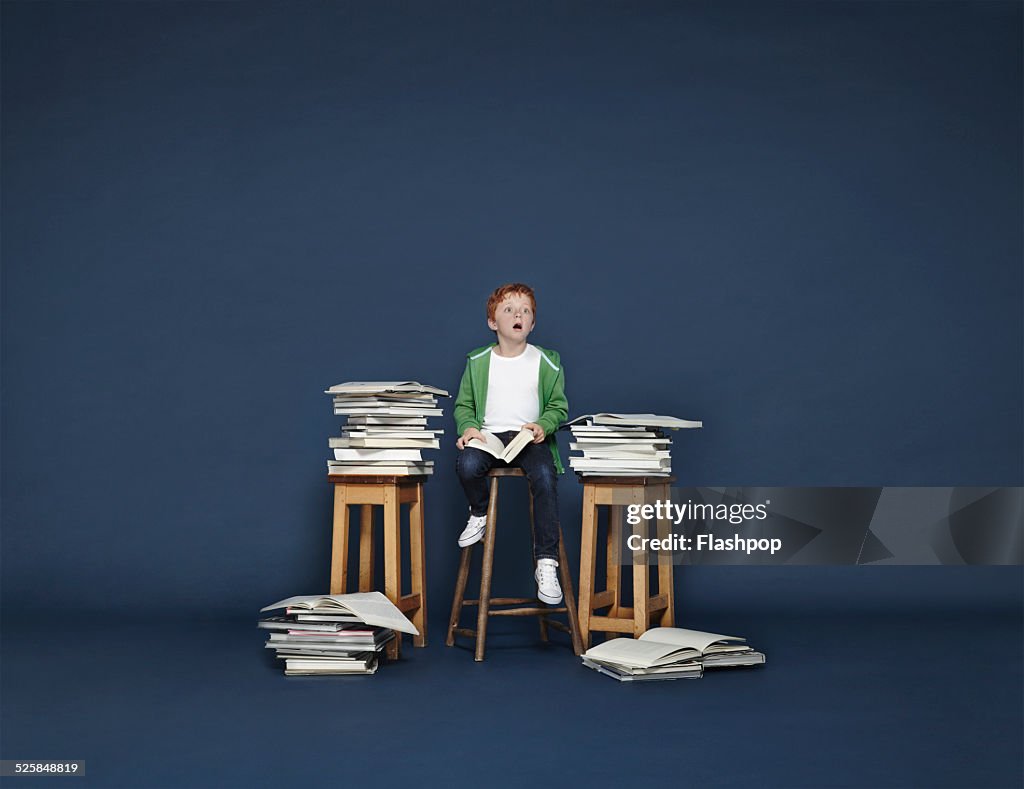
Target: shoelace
{"x":547,"y":574}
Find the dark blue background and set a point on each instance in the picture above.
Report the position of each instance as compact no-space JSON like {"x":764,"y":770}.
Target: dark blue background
{"x":799,"y":222}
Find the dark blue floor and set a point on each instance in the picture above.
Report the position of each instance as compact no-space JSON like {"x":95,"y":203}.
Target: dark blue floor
{"x":859,"y":701}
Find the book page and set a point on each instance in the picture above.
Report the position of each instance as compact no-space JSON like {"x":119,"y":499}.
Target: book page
{"x":375,"y":609}
{"x":694,"y":639}
{"x":299,"y":601}
{"x":638,"y":654}
{"x":515,"y":446}
{"x":491,"y":444}
{"x":370,"y":387}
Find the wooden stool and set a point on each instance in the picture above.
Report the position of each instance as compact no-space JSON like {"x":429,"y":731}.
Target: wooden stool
{"x":635,"y":620}
{"x":485,"y":600}
{"x":390,"y":492}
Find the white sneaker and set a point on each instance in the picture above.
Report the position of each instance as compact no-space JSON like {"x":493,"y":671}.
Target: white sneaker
{"x":474,"y":531}
{"x":548,"y":589}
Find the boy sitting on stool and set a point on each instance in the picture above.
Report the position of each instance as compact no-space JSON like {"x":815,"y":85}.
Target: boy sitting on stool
{"x":508,"y":386}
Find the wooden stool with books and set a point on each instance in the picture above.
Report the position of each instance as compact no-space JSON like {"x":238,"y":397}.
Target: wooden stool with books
{"x":522,"y":606}
{"x":389,"y":492}
{"x":616,"y":493}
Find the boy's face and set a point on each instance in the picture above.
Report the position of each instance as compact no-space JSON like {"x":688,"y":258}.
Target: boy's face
{"x":513,"y":318}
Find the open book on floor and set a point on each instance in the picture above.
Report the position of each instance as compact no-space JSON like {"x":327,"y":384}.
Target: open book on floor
{"x":373,"y":608}
{"x":689,"y":670}
{"x":492,"y":444}
{"x":663,"y":649}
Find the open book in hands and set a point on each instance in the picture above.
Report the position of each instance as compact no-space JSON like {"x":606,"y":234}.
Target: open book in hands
{"x":492,"y":444}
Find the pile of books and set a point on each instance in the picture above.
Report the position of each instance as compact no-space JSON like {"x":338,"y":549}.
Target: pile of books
{"x":333,"y":634}
{"x":386,"y":431}
{"x":669,"y":653}
{"x":623,"y":445}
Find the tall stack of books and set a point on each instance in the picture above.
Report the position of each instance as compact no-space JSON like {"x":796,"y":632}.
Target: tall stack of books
{"x":386,"y":430}
{"x":333,"y":634}
{"x":623,"y":445}
{"x":669,"y":653}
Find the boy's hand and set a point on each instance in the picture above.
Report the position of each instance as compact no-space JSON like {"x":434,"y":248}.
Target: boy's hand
{"x":537,"y":430}
{"x":469,"y":435}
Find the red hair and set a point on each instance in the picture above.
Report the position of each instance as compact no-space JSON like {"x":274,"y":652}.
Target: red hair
{"x":504,"y":292}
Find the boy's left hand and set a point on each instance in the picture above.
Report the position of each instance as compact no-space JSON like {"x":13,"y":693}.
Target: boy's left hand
{"x":537,"y":430}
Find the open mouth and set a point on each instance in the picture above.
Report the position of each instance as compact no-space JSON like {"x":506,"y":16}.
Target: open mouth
{"x":517,"y":326}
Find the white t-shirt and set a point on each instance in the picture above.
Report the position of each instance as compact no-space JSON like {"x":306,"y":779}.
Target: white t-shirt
{"x":512,"y":398}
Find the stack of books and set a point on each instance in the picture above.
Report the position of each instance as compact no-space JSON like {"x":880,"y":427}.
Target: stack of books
{"x":333,"y":634}
{"x":623,"y":445}
{"x":669,"y":653}
{"x":386,"y":431}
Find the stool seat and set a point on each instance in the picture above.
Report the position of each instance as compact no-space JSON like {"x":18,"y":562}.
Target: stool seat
{"x":635,"y":620}
{"x":389,"y":491}
{"x":506,"y":471}
{"x":522,"y":605}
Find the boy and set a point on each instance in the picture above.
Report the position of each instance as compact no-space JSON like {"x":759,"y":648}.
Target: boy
{"x":507,"y":386}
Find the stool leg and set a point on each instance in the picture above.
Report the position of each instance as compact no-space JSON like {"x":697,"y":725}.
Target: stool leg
{"x":542,"y":620}
{"x":366,"y":548}
{"x":588,"y":563}
{"x":417,"y":566}
{"x":392,"y":559}
{"x":460,"y":593}
{"x":667,"y":618}
{"x":613,"y":552}
{"x":488,"y":568}
{"x":570,"y":596}
{"x":339,"y":542}
{"x":641,"y":578}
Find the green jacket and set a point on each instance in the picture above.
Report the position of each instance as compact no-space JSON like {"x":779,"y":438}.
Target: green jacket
{"x":471,"y":401}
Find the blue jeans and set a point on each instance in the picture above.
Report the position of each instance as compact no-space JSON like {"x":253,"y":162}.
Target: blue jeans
{"x":535,"y":460}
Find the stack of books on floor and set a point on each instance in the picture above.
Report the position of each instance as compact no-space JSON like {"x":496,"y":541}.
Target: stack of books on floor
{"x":669,"y":653}
{"x":386,"y":431}
{"x":623,"y":445}
{"x":333,"y":634}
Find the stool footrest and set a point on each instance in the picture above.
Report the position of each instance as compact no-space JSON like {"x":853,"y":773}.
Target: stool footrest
{"x":527,"y":611}
{"x":503,"y":601}
{"x":602,"y":599}
{"x":560,"y":626}
{"x":464,"y":631}
{"x":408,"y":602}
{"x":611,"y":623}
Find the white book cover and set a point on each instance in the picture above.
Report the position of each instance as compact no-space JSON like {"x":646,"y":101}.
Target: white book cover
{"x":396,"y":471}
{"x":378,"y":454}
{"x":383,"y":410}
{"x":641,"y":420}
{"x":384,"y":443}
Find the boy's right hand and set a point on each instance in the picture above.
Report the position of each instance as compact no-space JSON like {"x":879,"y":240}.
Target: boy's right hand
{"x":469,"y":435}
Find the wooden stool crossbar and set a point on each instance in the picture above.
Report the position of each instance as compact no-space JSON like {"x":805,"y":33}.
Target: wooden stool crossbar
{"x":615,"y":492}
{"x":522,"y":605}
{"x":389,"y":492}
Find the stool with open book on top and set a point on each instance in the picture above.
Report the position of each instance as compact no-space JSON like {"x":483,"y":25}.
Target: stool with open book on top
{"x":488,"y":606}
